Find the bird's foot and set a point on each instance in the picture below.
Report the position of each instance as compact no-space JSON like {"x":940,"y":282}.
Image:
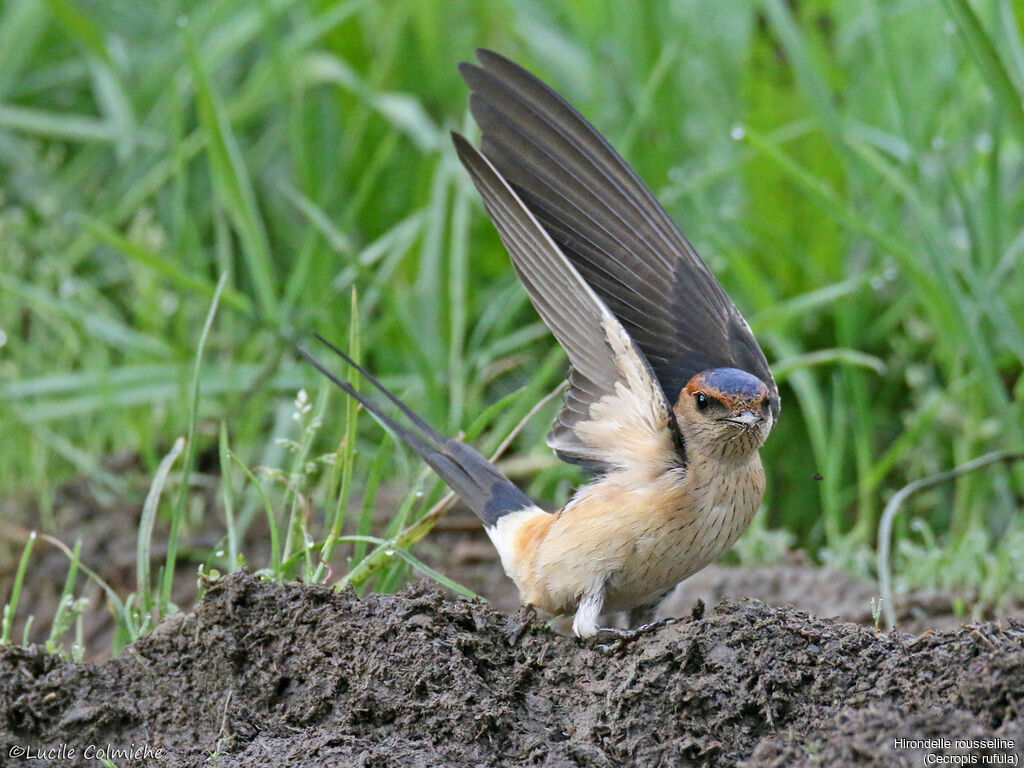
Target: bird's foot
{"x":609,"y":639}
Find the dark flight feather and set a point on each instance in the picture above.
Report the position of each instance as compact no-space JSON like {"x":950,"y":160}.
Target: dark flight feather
{"x":576,"y":316}
{"x":611,"y":228}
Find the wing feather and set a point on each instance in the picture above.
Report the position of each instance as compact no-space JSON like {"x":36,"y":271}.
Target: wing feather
{"x":610,"y":227}
{"x":614,"y":414}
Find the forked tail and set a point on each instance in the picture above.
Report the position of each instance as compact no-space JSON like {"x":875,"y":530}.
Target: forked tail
{"x":478,"y":483}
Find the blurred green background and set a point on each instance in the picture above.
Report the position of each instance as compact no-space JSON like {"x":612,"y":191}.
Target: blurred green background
{"x":851,"y":171}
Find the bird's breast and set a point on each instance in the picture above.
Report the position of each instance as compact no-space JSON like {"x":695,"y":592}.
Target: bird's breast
{"x":642,"y":536}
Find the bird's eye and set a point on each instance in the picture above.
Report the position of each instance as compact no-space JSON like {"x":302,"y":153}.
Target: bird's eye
{"x":702,"y":401}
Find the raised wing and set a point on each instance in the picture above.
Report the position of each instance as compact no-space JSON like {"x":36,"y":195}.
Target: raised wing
{"x":615,"y":415}
{"x":610,"y":226}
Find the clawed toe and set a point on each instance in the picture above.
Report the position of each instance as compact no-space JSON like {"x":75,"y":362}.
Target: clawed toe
{"x":609,"y":638}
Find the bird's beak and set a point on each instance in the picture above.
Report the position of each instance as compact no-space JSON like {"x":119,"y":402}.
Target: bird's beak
{"x":746,"y":420}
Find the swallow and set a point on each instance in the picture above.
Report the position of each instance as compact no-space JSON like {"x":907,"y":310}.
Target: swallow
{"x":669,"y":395}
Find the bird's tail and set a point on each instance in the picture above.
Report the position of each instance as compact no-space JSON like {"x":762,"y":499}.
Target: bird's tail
{"x":478,"y":483}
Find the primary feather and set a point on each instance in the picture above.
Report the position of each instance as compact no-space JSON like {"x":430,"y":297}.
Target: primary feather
{"x":611,"y":228}
{"x":615,"y":415}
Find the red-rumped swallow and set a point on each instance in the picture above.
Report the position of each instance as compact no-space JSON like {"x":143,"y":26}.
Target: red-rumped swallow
{"x":669,"y":398}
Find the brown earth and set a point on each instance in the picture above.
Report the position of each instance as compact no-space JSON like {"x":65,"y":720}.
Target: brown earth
{"x":457,"y":547}
{"x":266,"y":675}
{"x":296,"y":675}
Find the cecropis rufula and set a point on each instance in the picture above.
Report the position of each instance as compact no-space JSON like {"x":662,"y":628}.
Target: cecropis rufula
{"x":669,"y":396}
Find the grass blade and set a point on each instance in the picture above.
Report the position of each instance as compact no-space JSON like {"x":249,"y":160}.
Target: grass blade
{"x":994,"y":72}
{"x":19,"y":578}
{"x":179,"y":508}
{"x":144,"y":539}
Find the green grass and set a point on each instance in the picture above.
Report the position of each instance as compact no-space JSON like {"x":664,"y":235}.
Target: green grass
{"x":849,"y":170}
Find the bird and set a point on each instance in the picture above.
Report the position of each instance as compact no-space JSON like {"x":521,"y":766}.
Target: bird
{"x":669,"y":396}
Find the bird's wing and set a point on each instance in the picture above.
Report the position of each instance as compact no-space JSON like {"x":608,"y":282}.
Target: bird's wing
{"x":610,"y":226}
{"x":615,"y":414}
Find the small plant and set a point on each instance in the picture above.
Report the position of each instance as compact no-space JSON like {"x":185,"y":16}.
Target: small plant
{"x":876,"y":611}
{"x":69,"y":611}
{"x":12,"y":604}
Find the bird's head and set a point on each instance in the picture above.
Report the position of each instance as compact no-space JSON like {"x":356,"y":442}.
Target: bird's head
{"x":726,"y":413}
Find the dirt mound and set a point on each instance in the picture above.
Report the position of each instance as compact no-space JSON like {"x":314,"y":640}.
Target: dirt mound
{"x":823,"y":592}
{"x":291,"y":675}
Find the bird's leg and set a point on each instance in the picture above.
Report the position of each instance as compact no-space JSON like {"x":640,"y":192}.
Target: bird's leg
{"x":621,"y":636}
{"x":640,"y":617}
{"x":610,"y":642}
{"x":584,"y":624}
